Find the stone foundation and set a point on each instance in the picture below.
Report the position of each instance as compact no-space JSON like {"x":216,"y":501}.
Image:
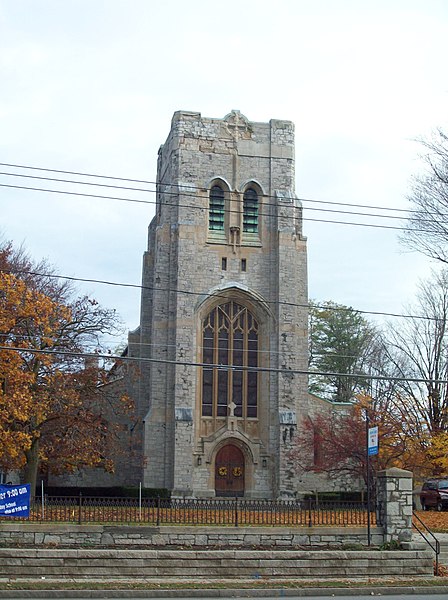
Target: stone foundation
{"x":195,"y":537}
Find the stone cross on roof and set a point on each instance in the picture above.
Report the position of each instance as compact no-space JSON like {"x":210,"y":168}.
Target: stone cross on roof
{"x":237,"y":124}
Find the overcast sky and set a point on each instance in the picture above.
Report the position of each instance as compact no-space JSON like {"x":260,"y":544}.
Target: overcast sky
{"x":90,"y":86}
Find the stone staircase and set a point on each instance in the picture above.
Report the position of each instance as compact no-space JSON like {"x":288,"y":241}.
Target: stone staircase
{"x":205,"y":564}
{"x":418,"y":543}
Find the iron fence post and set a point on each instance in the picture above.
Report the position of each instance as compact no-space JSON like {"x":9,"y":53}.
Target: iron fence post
{"x":43,"y":505}
{"x":217,"y":511}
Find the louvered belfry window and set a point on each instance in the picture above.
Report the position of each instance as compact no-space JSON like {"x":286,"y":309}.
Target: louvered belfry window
{"x":216,"y":209}
{"x":229,"y":337}
{"x":250,"y":211}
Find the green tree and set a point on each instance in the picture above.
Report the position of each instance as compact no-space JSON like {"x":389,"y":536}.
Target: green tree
{"x":342,"y":346}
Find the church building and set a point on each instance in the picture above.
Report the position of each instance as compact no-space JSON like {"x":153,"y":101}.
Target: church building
{"x":222,"y":344}
{"x":217,"y":368}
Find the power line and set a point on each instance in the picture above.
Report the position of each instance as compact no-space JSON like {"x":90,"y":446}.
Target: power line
{"x":222,"y":367}
{"x":75,"y":173}
{"x":149,"y":191}
{"x":92,"y":183}
{"x":218,"y":295}
{"x":137,"y":201}
{"x":129,"y":344}
{"x":14,"y":336}
{"x":34,"y":189}
{"x":167,"y":184}
{"x":378,"y":313}
{"x":192,"y":187}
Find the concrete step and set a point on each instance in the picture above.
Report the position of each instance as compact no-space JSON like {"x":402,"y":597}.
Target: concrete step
{"x":210,"y":564}
{"x":420,"y":544}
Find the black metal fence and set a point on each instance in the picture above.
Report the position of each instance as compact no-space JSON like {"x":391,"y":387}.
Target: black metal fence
{"x":224,"y":512}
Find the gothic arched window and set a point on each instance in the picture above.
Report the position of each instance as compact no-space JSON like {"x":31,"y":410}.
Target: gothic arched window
{"x":229,"y":337}
{"x":250,"y":211}
{"x":216,"y":209}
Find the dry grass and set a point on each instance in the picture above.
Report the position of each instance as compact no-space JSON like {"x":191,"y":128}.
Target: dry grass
{"x":435,"y":521}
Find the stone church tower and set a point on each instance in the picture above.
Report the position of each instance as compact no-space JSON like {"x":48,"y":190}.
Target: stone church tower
{"x":223,"y":332}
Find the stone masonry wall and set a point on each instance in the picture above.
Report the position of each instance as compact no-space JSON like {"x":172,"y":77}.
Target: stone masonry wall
{"x":197,"y":536}
{"x":395,"y":503}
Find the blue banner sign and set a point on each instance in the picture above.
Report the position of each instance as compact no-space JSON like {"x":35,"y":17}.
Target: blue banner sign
{"x":15,"y":500}
{"x":373,"y":441}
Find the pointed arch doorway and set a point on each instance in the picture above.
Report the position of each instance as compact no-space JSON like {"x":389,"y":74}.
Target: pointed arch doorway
{"x":229,"y":471}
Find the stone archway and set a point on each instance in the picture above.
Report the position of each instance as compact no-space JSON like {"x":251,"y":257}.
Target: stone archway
{"x":229,"y":471}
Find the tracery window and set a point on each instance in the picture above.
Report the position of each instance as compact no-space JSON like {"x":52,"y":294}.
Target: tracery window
{"x":216,"y":209}
{"x":250,"y":211}
{"x":229,"y":337}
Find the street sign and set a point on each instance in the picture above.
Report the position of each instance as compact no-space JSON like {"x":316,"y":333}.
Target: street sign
{"x":373,"y":441}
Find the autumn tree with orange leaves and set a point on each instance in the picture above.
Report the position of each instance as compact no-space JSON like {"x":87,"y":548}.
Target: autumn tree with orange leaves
{"x":52,"y":411}
{"x":337,"y":440}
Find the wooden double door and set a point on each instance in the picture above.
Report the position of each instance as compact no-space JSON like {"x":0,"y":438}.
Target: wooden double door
{"x":229,"y":471}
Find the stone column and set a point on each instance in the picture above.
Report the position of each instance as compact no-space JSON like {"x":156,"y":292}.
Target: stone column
{"x":394,"y":489}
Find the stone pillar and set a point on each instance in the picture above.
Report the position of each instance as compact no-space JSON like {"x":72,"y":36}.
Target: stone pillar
{"x":394,"y":489}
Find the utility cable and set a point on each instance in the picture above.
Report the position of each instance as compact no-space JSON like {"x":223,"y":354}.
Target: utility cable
{"x":193,"y":187}
{"x":131,"y":344}
{"x":217,"y":295}
{"x":221,"y":367}
{"x":180,"y":194}
{"x":137,"y":201}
